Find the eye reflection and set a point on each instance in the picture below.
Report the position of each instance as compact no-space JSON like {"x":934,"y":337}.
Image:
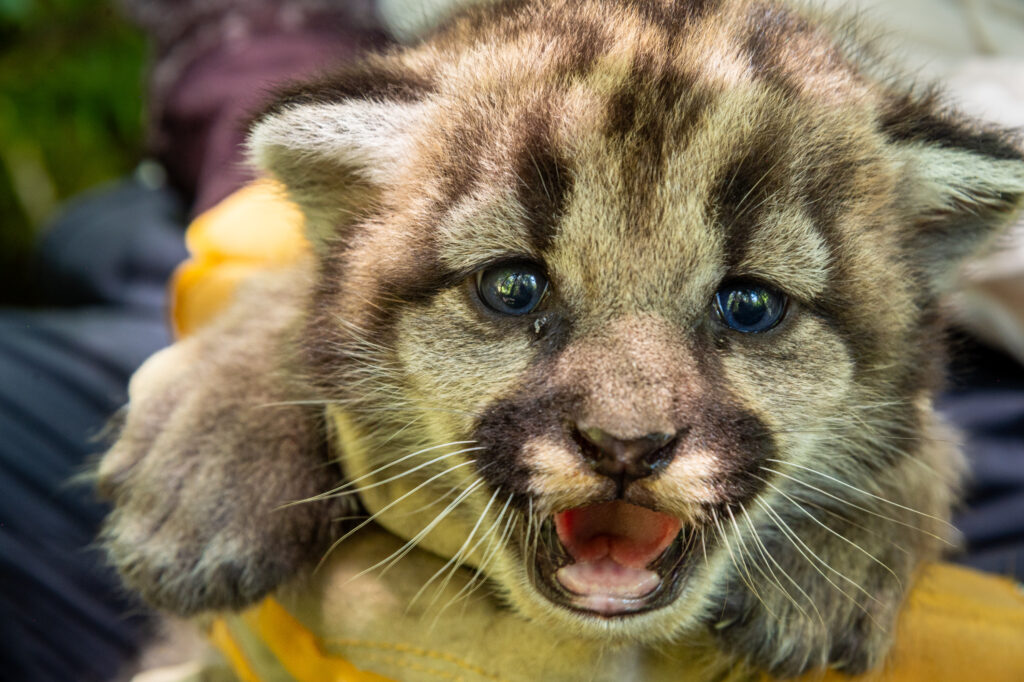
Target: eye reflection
{"x":748,"y":307}
{"x":512,"y":288}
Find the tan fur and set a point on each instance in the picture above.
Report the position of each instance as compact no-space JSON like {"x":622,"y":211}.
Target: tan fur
{"x":643,"y":153}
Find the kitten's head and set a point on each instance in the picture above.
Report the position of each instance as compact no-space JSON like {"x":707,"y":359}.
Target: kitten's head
{"x":636,"y":307}
{"x":624,"y":296}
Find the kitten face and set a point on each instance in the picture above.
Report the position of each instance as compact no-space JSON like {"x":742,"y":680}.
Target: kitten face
{"x":626,"y":219}
{"x":634,"y":307}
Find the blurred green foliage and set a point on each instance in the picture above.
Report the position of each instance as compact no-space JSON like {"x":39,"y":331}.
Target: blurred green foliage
{"x":71,"y":112}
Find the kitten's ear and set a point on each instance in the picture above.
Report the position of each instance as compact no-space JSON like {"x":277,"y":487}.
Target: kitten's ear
{"x":964,"y":183}
{"x":336,"y":142}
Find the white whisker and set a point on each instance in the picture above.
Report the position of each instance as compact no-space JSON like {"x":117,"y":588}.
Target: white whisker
{"x":389,"y":506}
{"x":335,"y":492}
{"x":455,"y":562}
{"x":743,"y":573}
{"x":341,"y":492}
{"x":857,"y":506}
{"x":798,"y":543}
{"x":769,"y":558}
{"x":492,"y":550}
{"x":832,"y":531}
{"x":410,"y":544}
{"x":861,"y":491}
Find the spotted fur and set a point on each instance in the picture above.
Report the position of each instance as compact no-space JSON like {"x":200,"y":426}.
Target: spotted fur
{"x":643,"y":152}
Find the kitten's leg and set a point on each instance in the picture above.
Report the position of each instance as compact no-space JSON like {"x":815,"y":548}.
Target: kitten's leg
{"x":212,"y":450}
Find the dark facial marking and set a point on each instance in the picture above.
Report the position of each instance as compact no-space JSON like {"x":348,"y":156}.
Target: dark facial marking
{"x":674,"y":17}
{"x":743,"y":188}
{"x":505,"y":427}
{"x":459,"y":171}
{"x":651,"y":117}
{"x":742,"y":441}
{"x":325,"y":341}
{"x":768,"y":27}
{"x":637,"y":113}
{"x":544,"y":181}
{"x":712,"y":419}
{"x":769,"y":30}
{"x":827,"y":192}
{"x":582,"y":43}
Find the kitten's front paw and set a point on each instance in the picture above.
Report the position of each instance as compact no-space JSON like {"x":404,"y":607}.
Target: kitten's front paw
{"x":212,"y":455}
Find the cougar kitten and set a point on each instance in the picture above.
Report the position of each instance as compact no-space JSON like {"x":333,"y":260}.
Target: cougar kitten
{"x":639,"y":299}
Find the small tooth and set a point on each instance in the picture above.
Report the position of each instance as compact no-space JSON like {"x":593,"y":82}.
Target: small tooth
{"x":723,"y":624}
{"x":839,"y":665}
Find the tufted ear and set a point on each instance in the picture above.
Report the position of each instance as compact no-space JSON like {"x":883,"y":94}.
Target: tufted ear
{"x":963,"y":184}
{"x":336,"y":142}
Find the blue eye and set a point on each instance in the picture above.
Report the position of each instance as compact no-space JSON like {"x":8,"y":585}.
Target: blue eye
{"x":749,"y":308}
{"x":512,"y":288}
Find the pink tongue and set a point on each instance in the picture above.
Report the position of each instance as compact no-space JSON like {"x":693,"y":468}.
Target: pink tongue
{"x":611,"y":544}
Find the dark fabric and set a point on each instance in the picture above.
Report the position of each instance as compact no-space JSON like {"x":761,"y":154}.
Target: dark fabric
{"x":207,"y":115}
{"x":63,"y":374}
{"x":986,"y":401}
{"x":216,"y":62}
{"x":114,"y":246}
{"x":103,"y":270}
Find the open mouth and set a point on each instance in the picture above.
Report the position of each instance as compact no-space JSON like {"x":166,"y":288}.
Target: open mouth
{"x":611,"y":559}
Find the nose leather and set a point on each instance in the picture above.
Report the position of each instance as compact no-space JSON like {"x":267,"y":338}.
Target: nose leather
{"x":625,"y":460}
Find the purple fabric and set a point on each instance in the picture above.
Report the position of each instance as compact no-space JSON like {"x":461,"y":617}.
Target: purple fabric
{"x":986,"y":402}
{"x":202,"y":128}
{"x":215,"y":63}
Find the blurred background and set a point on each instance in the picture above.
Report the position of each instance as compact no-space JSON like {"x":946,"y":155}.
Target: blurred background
{"x":71,"y":116}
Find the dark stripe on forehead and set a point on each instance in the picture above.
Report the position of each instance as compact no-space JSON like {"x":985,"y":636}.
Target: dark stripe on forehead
{"x":580,"y":43}
{"x":782,"y":47}
{"x":768,"y":27}
{"x":544,"y":180}
{"x":673,"y":15}
{"x":640,"y":110}
{"x":458,"y":169}
{"x":924,"y":118}
{"x":743,"y":189}
{"x":651,"y":117}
